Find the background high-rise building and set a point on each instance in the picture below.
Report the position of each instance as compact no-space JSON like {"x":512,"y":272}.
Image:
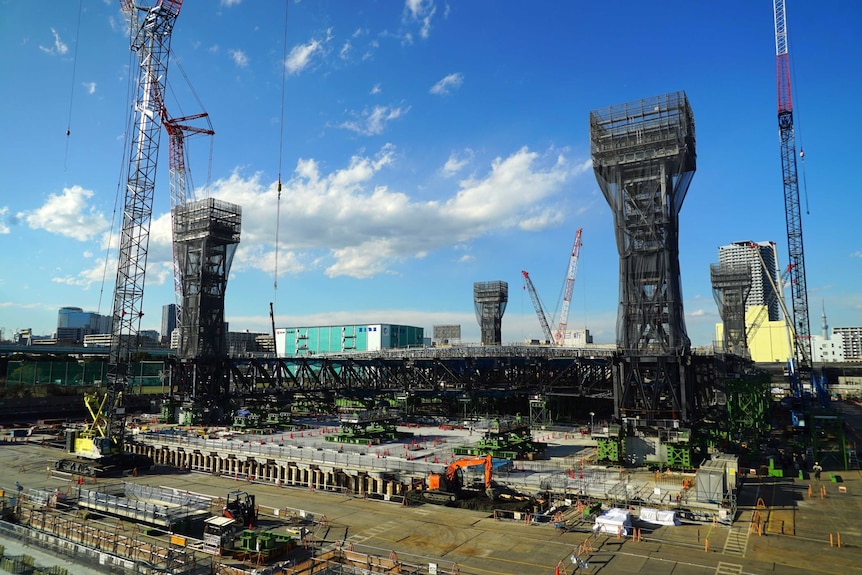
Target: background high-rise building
{"x":745,"y":254}
{"x":73,"y":323}
{"x":169,"y":321}
{"x":852,"y":341}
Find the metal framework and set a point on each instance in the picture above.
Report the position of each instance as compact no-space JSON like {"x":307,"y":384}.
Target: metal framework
{"x":644,"y":159}
{"x":511,"y":370}
{"x":787,"y":137}
{"x":490,"y":299}
{"x":150,"y":32}
{"x":730,"y":287}
{"x":181,"y":181}
{"x":206,"y":234}
{"x":571,"y":274}
{"x":537,"y":305}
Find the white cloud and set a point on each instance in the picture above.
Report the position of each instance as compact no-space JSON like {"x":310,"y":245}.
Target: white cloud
{"x":348,"y":222}
{"x":90,"y":86}
{"x":363,"y":261}
{"x":421,"y":12}
{"x":344,"y":53}
{"x":856,"y":254}
{"x":230,"y":3}
{"x":509,"y":194}
{"x":376,"y":89}
{"x":456,"y":163}
{"x":239,"y":58}
{"x":373,"y":122}
{"x":4,"y":220}
{"x":542,"y":220}
{"x":445,"y":85}
{"x":59,"y":46}
{"x":343,"y":222}
{"x":67,"y":214}
{"x":302,"y":55}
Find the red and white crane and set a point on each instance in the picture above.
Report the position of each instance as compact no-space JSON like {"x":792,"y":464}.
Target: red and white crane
{"x":560,"y":335}
{"x":787,"y":137}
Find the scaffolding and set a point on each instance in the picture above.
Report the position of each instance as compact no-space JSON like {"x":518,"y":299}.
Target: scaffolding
{"x":730,"y":287}
{"x":151,"y":505}
{"x":490,"y":299}
{"x":644,"y":160}
{"x":206,"y":235}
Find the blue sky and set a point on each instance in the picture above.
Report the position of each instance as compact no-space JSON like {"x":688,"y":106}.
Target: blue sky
{"x":425,"y":145}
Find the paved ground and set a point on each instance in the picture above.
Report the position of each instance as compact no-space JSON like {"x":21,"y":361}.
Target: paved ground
{"x":795,"y":539}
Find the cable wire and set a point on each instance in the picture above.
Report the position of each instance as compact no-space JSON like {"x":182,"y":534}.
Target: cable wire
{"x":72,"y":88}
{"x":280,"y":154}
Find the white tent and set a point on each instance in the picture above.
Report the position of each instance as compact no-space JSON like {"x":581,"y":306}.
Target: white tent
{"x":613,"y":521}
{"x":659,"y":517}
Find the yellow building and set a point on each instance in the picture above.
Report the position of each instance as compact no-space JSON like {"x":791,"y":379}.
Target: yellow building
{"x":769,"y":343}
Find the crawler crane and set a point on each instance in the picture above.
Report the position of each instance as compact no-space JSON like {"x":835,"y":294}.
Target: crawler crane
{"x":101,"y":446}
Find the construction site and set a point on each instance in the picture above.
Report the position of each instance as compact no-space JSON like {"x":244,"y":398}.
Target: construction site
{"x":643,"y":457}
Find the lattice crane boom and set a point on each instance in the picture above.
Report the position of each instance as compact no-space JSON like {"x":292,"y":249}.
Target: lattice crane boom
{"x":150,"y":32}
{"x":569,"y":290}
{"x":787,"y":137}
{"x":774,"y":296}
{"x":537,"y":304}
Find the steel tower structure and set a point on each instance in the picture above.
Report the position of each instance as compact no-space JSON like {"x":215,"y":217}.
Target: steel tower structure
{"x":730,"y":287}
{"x":489,"y":300}
{"x":644,"y":159}
{"x":787,"y":137}
{"x":181,"y":181}
{"x":206,"y":235}
{"x":150,"y":33}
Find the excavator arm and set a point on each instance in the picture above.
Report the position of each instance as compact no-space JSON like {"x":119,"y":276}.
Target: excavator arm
{"x":485,"y":460}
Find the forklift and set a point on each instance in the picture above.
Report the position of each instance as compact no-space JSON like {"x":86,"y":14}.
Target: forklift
{"x":240,"y":507}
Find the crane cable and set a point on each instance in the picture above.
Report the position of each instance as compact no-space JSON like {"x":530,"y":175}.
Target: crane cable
{"x":72,"y":88}
{"x":797,"y":128}
{"x":280,"y":153}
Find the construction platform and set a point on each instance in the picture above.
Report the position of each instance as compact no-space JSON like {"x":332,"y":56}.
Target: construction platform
{"x":782,"y":525}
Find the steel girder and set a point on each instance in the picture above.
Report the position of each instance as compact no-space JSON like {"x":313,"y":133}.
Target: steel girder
{"x":260,"y":377}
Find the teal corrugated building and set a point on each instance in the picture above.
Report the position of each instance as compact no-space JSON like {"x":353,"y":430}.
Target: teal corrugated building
{"x":326,"y":339}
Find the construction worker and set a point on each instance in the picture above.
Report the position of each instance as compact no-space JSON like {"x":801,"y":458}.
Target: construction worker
{"x":817,"y":469}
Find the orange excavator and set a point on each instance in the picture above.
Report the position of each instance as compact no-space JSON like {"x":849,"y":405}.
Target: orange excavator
{"x":448,"y":486}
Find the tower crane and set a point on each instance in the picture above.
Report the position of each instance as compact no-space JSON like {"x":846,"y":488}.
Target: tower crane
{"x":101,"y":446}
{"x":787,"y":137}
{"x":570,"y":287}
{"x":537,"y":304}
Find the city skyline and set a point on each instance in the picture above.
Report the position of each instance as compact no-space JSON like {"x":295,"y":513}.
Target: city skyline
{"x":422,"y":147}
